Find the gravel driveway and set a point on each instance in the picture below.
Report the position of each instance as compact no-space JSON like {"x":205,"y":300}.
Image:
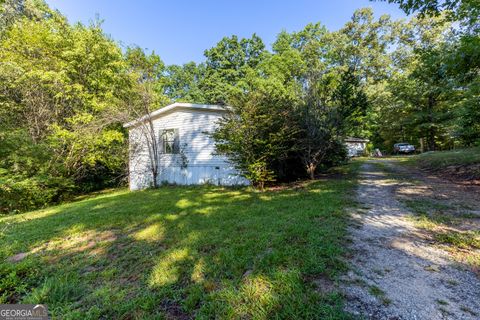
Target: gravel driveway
{"x":396,"y":272}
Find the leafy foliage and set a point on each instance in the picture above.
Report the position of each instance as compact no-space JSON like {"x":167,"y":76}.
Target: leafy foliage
{"x":227,"y":64}
{"x":61,"y":88}
{"x":65,"y":91}
{"x":259,"y":133}
{"x":455,"y":56}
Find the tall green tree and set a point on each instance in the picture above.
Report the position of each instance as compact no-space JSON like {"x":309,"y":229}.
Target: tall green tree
{"x":227,"y":63}
{"x":60,"y":86}
{"x":182,"y":83}
{"x":361,"y":49}
{"x":461,"y":58}
{"x":259,"y":132}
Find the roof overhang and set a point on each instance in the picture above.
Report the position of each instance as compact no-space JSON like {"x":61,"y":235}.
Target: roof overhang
{"x":159,"y":112}
{"x":351,"y":139}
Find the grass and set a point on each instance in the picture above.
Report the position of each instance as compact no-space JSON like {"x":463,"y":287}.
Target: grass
{"x":463,"y":244}
{"x":442,"y":220}
{"x":379,"y":294}
{"x":183,"y":252}
{"x":439,"y":161}
{"x":430,"y":215}
{"x":463,"y":240}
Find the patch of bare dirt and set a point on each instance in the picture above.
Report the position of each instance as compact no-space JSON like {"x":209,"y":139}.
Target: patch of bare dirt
{"x":452,"y":207}
{"x":85,"y":242}
{"x":323,"y":285}
{"x":397,"y":271}
{"x":458,"y":192}
{"x":18,"y":257}
{"x":461,"y":174}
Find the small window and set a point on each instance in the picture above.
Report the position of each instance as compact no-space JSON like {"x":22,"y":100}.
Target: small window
{"x":170,"y":141}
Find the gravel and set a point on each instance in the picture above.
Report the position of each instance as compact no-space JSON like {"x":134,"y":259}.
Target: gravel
{"x":397,"y":273}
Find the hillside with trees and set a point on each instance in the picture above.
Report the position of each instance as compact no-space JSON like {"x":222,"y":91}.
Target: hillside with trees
{"x":66,"y":89}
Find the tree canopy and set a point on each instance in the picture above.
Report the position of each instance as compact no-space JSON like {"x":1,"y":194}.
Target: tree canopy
{"x":65,"y":91}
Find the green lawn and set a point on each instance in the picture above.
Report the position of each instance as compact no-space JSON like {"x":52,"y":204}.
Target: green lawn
{"x":183,"y":252}
{"x":442,"y":159}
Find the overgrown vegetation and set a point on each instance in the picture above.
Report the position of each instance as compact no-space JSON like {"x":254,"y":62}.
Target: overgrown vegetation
{"x":441,"y":160}
{"x":66,"y":90}
{"x":183,"y":252}
{"x":458,"y":165}
{"x":437,"y":97}
{"x":61,"y":88}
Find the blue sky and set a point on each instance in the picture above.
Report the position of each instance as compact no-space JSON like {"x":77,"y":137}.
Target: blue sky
{"x":179,"y":30}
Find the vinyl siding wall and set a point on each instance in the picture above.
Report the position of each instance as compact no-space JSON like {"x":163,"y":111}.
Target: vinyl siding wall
{"x":356,"y":148}
{"x":202,"y":165}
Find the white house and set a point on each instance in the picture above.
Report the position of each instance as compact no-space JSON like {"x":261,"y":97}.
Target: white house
{"x":356,"y":146}
{"x":177,"y":139}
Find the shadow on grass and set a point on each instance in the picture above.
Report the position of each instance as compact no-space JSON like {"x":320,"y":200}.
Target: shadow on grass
{"x":182,"y":252}
{"x":396,"y":271}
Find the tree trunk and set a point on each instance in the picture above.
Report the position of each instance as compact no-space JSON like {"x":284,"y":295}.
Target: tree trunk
{"x":311,"y":170}
{"x":431,"y":139}
{"x":261,"y":186}
{"x":431,"y":128}
{"x":155,"y":178}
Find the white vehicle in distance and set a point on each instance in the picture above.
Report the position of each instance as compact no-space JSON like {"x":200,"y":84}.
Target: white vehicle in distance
{"x":403,"y":147}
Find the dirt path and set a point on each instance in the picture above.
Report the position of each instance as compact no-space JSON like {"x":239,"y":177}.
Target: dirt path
{"x":397,"y":273}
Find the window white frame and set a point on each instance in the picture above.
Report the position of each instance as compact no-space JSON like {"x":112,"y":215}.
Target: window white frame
{"x":169,"y":141}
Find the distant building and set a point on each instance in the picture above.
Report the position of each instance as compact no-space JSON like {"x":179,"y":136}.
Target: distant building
{"x":356,"y":146}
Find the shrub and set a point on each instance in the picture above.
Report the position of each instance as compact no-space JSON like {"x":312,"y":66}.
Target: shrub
{"x":259,"y":174}
{"x":21,"y":195}
{"x":16,"y":280}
